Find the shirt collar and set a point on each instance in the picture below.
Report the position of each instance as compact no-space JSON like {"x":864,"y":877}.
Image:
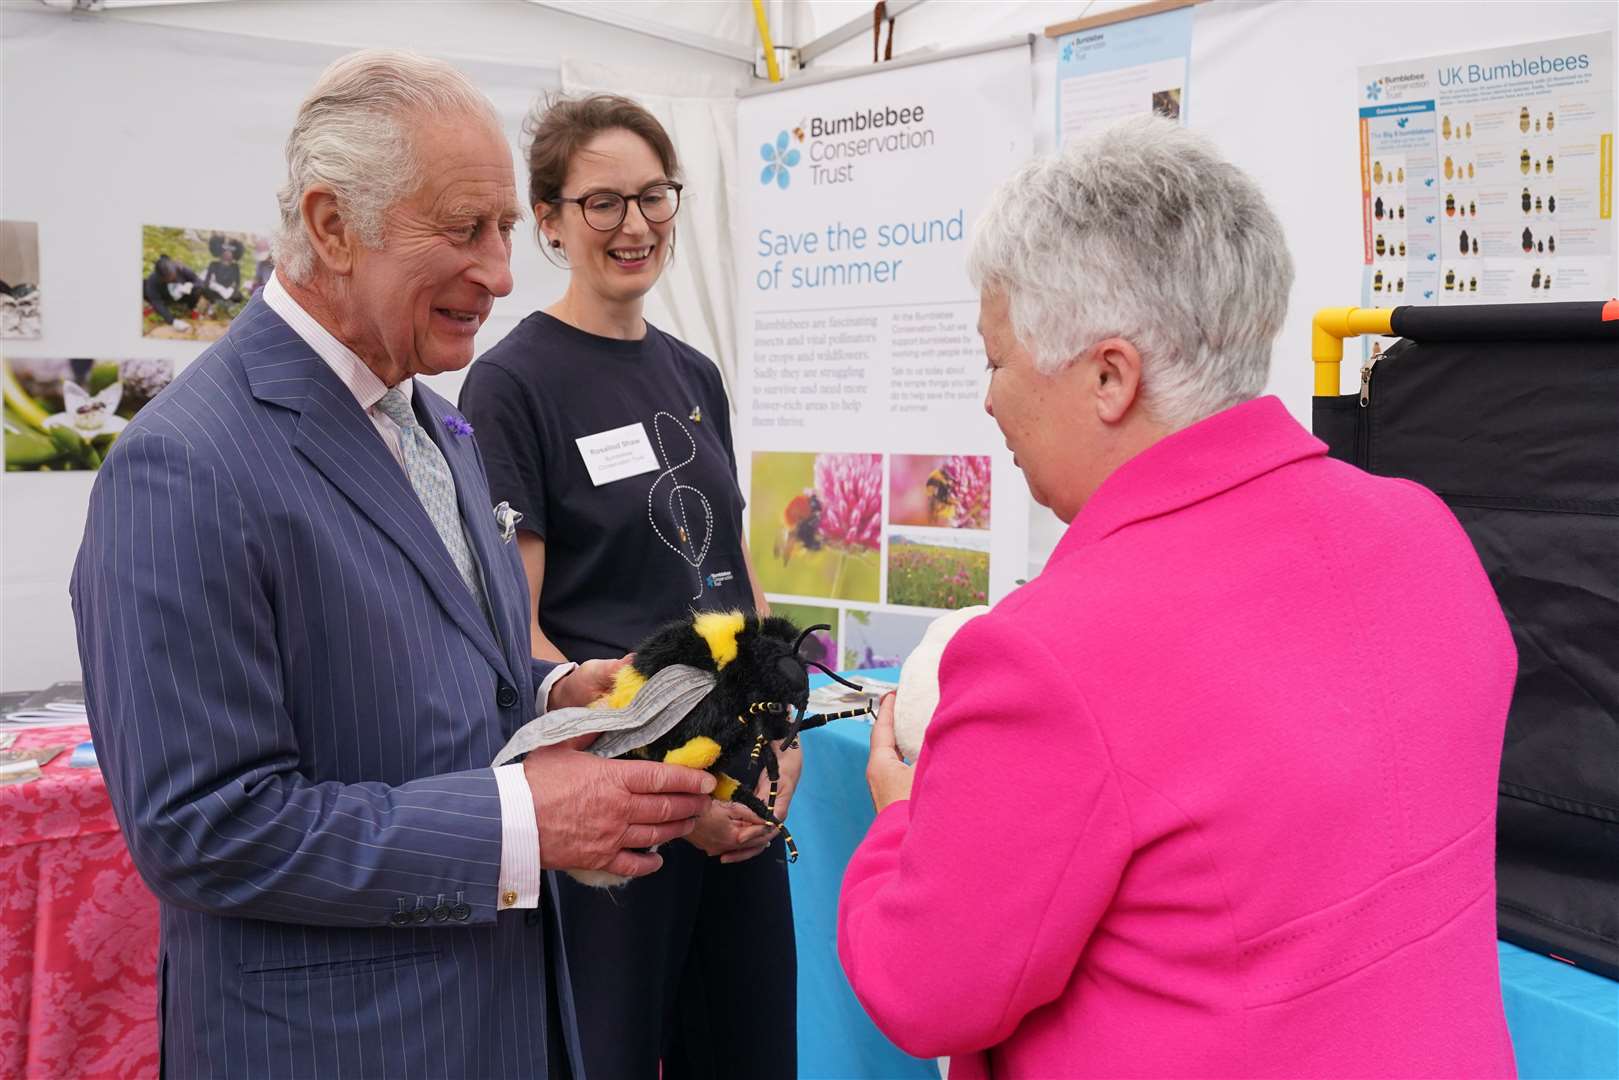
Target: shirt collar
{"x":1212,"y":456}
{"x":361,"y":381}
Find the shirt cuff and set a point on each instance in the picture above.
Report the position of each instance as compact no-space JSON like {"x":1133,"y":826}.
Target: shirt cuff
{"x":519,"y":840}
{"x":543,"y":695}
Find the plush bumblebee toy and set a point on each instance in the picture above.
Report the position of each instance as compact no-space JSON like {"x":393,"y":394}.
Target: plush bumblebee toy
{"x":718,"y":691}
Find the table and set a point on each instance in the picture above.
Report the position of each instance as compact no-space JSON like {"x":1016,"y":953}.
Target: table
{"x":1564,"y":1021}
{"x":78,"y":929}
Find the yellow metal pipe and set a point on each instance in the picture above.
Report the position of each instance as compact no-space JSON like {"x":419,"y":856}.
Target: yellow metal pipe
{"x":1327,"y":335}
{"x":764,"y":40}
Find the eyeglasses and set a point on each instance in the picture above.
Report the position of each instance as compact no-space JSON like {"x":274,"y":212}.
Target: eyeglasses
{"x":605,"y":210}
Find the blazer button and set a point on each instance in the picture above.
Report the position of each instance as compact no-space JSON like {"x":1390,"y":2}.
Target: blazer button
{"x":506,"y":696}
{"x":461,"y":912}
{"x":399,"y":918}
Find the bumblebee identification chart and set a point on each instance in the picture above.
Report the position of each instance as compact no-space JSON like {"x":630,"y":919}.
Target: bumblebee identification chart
{"x":879,"y":491}
{"x":1487,"y":176}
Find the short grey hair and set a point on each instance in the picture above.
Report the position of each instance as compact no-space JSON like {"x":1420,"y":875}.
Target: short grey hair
{"x":353,"y":135}
{"x":1142,"y":231}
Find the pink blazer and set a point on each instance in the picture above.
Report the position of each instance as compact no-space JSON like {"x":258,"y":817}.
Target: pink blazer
{"x":1212,"y":796}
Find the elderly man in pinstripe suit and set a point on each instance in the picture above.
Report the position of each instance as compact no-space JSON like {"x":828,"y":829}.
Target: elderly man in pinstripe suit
{"x":304,"y":640}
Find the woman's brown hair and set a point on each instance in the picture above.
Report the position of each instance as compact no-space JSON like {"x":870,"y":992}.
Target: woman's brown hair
{"x":560,"y":126}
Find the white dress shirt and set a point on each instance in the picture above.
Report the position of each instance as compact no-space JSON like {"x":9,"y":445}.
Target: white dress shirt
{"x":519,"y":829}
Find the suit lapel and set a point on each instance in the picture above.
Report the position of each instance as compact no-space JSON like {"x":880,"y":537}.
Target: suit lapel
{"x":339,"y":440}
{"x":478,"y":517}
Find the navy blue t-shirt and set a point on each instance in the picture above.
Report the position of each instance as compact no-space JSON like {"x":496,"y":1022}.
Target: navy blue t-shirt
{"x":627,"y":556}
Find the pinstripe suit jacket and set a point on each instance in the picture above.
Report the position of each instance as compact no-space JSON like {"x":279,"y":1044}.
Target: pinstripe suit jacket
{"x":295,"y":699}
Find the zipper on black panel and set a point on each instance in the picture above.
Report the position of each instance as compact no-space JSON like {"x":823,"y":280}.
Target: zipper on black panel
{"x":1366,"y":377}
{"x":1363,"y":417}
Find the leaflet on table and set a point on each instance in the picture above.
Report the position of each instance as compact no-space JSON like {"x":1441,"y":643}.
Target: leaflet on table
{"x":1124,"y":69}
{"x":879,"y":491}
{"x":1487,"y":176}
{"x":58,"y":705}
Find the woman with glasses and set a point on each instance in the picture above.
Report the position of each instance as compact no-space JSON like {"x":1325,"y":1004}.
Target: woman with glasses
{"x":612,"y":439}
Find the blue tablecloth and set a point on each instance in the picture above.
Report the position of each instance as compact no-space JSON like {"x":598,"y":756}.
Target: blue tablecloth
{"x":1564,"y":1022}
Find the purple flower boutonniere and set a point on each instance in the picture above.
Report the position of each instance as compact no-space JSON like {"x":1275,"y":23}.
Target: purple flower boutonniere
{"x":458,"y":426}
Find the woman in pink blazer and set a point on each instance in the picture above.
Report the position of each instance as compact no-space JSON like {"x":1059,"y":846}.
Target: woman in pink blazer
{"x":1214,"y":795}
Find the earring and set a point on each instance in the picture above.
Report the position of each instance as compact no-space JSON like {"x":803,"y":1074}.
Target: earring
{"x":556,"y":243}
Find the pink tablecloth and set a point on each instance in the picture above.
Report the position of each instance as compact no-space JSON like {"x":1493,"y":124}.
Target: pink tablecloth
{"x":78,"y":930}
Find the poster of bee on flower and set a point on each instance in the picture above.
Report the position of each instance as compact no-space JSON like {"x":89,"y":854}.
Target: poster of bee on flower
{"x":195,"y":281}
{"x":815,"y":524}
{"x":946,"y":491}
{"x":63,"y":415}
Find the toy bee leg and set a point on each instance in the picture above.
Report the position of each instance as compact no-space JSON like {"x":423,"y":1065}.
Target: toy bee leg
{"x":762,"y":812}
{"x":772,"y":770}
{"x":809,"y":723}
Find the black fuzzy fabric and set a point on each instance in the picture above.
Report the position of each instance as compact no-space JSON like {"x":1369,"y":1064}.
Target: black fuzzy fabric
{"x":766,"y":669}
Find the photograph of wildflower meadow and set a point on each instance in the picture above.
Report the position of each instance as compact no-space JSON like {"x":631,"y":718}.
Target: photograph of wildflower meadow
{"x":938,"y":568}
{"x":195,"y":281}
{"x":880,"y":639}
{"x":821,"y":645}
{"x":815,"y":524}
{"x":947,"y":491}
{"x":63,"y":414}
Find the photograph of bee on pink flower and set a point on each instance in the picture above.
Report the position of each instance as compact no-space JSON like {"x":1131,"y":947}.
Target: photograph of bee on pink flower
{"x":64,"y":414}
{"x":948,"y":491}
{"x":815,"y":524}
{"x":195,"y":281}
{"x":938,"y":568}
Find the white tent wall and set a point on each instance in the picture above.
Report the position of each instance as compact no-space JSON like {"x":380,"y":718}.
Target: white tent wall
{"x":176,"y":116}
{"x":1274,"y":84}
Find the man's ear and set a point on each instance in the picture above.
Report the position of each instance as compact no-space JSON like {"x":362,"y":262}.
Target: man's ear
{"x":1117,"y":371}
{"x":329,"y":231}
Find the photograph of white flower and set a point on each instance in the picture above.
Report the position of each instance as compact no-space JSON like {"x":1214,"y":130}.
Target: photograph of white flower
{"x":63,"y":415}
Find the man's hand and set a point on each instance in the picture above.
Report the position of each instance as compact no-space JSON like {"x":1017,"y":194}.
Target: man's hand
{"x":591,"y":812}
{"x":886,"y":772}
{"x":583,"y":685}
{"x":792,"y":766}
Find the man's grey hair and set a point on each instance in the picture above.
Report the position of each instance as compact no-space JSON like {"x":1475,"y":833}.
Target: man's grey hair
{"x":1143,"y":232}
{"x":353,"y":135}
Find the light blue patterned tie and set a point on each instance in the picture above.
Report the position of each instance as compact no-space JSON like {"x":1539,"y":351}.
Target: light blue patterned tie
{"x":430,"y":475}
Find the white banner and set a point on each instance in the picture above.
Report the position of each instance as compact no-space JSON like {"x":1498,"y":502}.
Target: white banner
{"x":879,"y":490}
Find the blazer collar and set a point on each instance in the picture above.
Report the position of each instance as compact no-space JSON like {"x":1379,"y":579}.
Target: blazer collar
{"x":1196,"y":463}
{"x":338,"y":439}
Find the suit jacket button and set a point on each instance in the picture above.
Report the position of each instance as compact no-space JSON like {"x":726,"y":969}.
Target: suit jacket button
{"x":441,"y":913}
{"x":399,"y":918}
{"x":420,"y":915}
{"x":461,"y":912}
{"x":506,"y":696}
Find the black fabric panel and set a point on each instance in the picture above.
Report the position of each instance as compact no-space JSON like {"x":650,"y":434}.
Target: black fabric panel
{"x":1575,"y":320}
{"x":1333,"y":420}
{"x":1521,"y":439}
{"x":1534,"y":424}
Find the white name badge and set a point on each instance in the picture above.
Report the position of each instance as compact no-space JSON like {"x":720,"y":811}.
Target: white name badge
{"x":617,"y":454}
